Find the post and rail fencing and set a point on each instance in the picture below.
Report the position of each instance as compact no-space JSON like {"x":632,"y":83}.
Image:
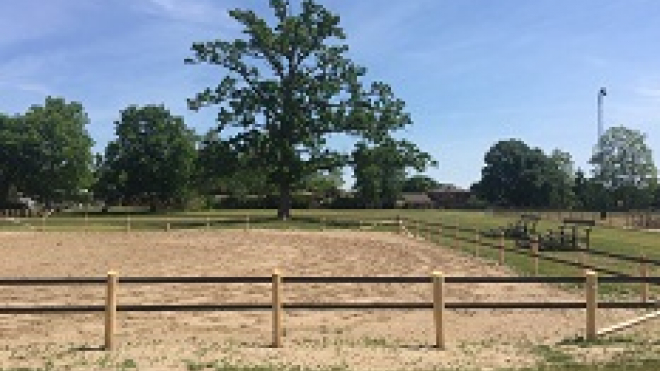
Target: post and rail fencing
{"x":278,"y":306}
{"x":462,"y":234}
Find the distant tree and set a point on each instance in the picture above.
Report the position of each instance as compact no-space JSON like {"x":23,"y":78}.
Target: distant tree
{"x":623,"y":165}
{"x":420,"y":183}
{"x":517,"y":175}
{"x":562,"y":196}
{"x":151,"y":161}
{"x":380,"y":171}
{"x":15,"y":156}
{"x":324,"y":183}
{"x":288,"y":89}
{"x":46,"y":152}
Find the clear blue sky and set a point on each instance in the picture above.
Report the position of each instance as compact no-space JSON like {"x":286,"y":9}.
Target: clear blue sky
{"x":472,"y":72}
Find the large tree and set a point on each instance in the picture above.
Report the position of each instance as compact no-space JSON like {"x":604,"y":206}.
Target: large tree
{"x":289,"y":87}
{"x":518,"y":175}
{"x":151,"y":161}
{"x":623,"y":165}
{"x":46,"y":152}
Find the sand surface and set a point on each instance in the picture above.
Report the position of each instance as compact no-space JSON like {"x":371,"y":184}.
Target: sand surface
{"x":359,"y":340}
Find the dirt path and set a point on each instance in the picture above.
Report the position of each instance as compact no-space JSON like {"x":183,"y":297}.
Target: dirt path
{"x":361,"y":340}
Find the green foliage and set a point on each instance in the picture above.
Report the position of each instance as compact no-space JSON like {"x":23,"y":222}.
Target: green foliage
{"x":420,"y":183}
{"x":623,"y":165}
{"x":289,"y":88}
{"x":520,"y":176}
{"x":151,"y":161}
{"x":563,"y":195}
{"x":47,"y":151}
{"x":380,"y":171}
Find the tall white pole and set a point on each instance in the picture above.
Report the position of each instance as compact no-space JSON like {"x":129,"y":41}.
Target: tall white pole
{"x":601,"y":93}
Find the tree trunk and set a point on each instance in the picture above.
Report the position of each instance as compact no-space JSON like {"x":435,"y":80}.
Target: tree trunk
{"x":284,"y":211}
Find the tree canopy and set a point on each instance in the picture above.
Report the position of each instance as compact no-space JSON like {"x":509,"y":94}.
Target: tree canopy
{"x":151,"y":160}
{"x":622,"y":158}
{"x":380,"y":171}
{"x":289,"y":87}
{"x":518,"y":175}
{"x":46,"y":152}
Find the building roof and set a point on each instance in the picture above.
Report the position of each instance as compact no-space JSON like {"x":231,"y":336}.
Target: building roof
{"x":417,"y":198}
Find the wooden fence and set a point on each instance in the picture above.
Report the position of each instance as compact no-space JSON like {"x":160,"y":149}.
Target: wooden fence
{"x":430,"y":230}
{"x":278,"y":306}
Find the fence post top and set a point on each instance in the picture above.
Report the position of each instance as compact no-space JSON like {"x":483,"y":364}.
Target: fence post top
{"x":591,"y":273}
{"x":276,"y":272}
{"x":437,"y":274}
{"x":112,"y":273}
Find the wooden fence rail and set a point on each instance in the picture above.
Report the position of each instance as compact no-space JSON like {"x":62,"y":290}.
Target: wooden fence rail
{"x":277,"y":306}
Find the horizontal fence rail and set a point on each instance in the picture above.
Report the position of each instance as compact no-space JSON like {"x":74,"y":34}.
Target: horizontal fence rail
{"x":238,"y":307}
{"x":70,"y":281}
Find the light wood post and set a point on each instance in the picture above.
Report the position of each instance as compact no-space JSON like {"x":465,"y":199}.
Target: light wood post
{"x":128,"y":223}
{"x":592,"y":304}
{"x":247,"y":222}
{"x":456,"y":241}
{"x":277,"y":309}
{"x":322,"y":224}
{"x":535,"y":254}
{"x":86,"y":221}
{"x":208,"y":223}
{"x":111,"y":310}
{"x":400,"y":224}
{"x":644,"y":273}
{"x":168,"y":226}
{"x":476,"y":242}
{"x":439,"y":309}
{"x":501,"y":260}
{"x":440,"y":237}
{"x":43,"y":223}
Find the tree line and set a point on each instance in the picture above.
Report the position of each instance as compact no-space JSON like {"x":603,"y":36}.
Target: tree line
{"x":286,"y":89}
{"x":624,"y":176}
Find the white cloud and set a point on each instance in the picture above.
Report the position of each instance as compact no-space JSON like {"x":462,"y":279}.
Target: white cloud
{"x":195,"y":11}
{"x":648,"y":92}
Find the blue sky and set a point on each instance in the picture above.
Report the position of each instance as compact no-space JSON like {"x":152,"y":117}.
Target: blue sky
{"x":471,"y":72}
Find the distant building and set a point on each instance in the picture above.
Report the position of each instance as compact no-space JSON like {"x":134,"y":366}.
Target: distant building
{"x":449,"y":196}
{"x":416,"y":201}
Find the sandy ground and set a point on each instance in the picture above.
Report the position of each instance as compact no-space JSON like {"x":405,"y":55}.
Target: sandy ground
{"x":359,"y":340}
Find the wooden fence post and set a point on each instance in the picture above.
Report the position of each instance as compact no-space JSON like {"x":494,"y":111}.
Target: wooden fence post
{"x":535,"y":254}
{"x":591,"y":288}
{"x":168,"y":226}
{"x":501,"y":260}
{"x":439,"y":309}
{"x":644,"y":273}
{"x":247,"y":222}
{"x":476,"y":242}
{"x":277,"y":309}
{"x":111,"y":310}
{"x":400,"y":224}
{"x":43,"y":223}
{"x":128,"y":223}
{"x":322,"y":224}
{"x":86,"y":221}
{"x":456,"y":241}
{"x":208,"y":223}
{"x":440,"y":237}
